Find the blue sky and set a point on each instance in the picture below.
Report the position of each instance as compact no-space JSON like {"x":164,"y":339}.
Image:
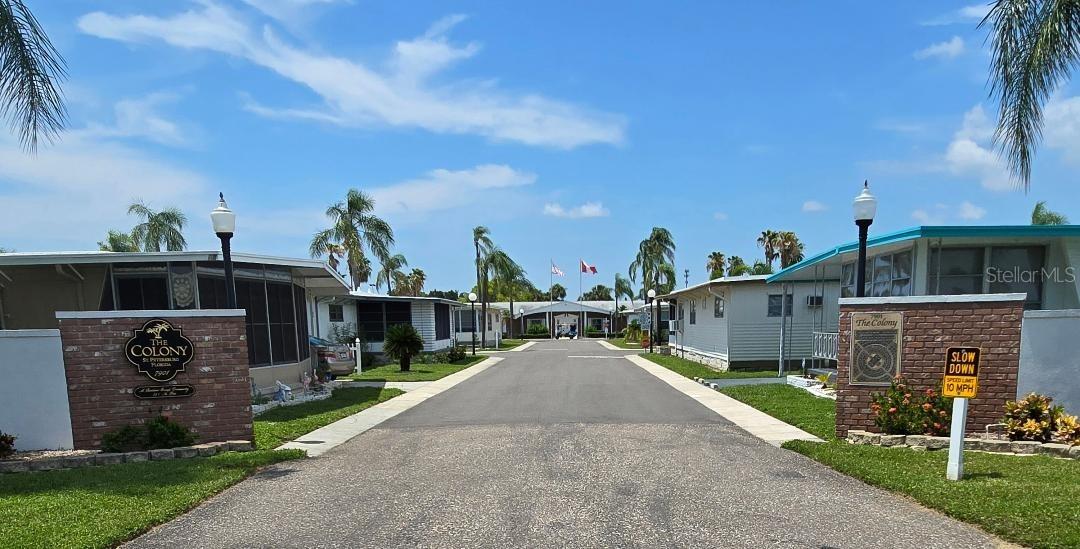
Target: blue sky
{"x":569,"y":132}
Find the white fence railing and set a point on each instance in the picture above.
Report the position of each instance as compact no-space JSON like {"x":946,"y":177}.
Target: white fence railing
{"x":826,"y":345}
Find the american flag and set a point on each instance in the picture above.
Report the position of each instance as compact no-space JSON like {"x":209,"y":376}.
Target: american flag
{"x":555,"y":270}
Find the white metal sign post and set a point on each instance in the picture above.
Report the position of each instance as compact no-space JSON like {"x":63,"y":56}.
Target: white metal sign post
{"x":955,"y":469}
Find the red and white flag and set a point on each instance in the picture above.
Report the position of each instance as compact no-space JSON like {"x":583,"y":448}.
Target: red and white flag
{"x":586,"y":268}
{"x":555,"y":270}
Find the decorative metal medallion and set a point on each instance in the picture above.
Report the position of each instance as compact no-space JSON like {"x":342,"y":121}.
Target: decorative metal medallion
{"x":183,"y":290}
{"x":875,"y":347}
{"x":159,"y":350}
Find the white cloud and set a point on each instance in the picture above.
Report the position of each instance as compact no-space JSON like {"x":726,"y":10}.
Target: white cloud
{"x":356,"y":95}
{"x":720,"y":216}
{"x":71,"y":193}
{"x":443,"y":189}
{"x":138,"y":117}
{"x":813,"y":206}
{"x":926,"y":218}
{"x":965,"y":15}
{"x":1062,"y":126}
{"x":966,"y":157}
{"x":944,"y":50}
{"x":970,"y":212}
{"x":287,"y":10}
{"x":588,"y":209}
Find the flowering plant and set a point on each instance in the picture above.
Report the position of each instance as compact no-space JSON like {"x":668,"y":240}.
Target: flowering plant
{"x":1032,"y":418}
{"x":901,"y":410}
{"x":7,"y":445}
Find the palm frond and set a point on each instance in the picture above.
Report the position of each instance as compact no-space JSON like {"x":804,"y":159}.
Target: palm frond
{"x":30,"y":72}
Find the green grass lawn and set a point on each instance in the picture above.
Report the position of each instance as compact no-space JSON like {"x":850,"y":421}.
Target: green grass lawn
{"x":417,"y":372}
{"x":693,"y":369}
{"x":622,"y":344}
{"x":814,"y":415}
{"x":505,"y":344}
{"x":280,"y":425}
{"x":103,"y":506}
{"x":1032,"y":500}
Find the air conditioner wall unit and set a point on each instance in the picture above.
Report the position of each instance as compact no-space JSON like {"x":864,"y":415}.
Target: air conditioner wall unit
{"x":814,"y":301}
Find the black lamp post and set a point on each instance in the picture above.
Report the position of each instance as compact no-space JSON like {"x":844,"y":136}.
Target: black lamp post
{"x":656,"y":318}
{"x":472,"y":312}
{"x":521,"y":313}
{"x":864,"y":207}
{"x":224,"y":221}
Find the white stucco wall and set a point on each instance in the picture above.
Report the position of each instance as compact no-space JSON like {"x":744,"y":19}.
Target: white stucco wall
{"x":33,"y":390}
{"x":1050,"y":357}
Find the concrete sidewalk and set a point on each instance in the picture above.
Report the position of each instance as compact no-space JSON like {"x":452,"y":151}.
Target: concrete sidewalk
{"x":611,"y":347}
{"x":324,"y":439}
{"x":750,"y":419}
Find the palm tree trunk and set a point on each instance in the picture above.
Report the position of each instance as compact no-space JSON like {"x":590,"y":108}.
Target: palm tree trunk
{"x":483,"y":313}
{"x":511,"y":316}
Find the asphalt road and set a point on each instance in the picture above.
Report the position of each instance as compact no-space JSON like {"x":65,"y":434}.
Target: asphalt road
{"x":561,"y":445}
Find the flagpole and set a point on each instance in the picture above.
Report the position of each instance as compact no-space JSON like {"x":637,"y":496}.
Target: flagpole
{"x":581,"y":306}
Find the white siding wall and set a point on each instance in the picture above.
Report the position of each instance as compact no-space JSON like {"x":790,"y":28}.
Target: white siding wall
{"x":423,"y":319}
{"x":756,"y":336}
{"x":709,"y":335}
{"x":325,"y":326}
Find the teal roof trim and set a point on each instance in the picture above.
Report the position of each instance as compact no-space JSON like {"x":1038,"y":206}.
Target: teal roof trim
{"x":935,"y":231}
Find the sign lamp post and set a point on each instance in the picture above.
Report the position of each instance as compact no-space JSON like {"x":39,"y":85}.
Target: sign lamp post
{"x":521,"y":314}
{"x":656,"y":320}
{"x":224,"y":221}
{"x":865,"y":207}
{"x":472,"y":311}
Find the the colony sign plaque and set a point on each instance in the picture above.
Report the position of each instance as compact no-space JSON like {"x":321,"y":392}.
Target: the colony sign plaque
{"x":159,"y":350}
{"x":875,"y":347}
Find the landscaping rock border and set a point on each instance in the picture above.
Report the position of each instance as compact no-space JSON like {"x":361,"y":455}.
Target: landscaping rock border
{"x":995,"y":446}
{"x":75,"y":462}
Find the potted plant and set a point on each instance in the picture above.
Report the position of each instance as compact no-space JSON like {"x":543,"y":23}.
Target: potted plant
{"x":402,"y":343}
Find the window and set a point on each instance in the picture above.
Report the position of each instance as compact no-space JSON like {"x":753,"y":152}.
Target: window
{"x":442,"y":321}
{"x":465,"y":321}
{"x":956,"y":271}
{"x":682,"y":312}
{"x":369,"y":320}
{"x":997,"y":269}
{"x":282,"y":322}
{"x":777,"y":304}
{"x":693,"y":311}
{"x":337,"y":313}
{"x":398,"y":312}
{"x":300,"y":301}
{"x":886,"y":275}
{"x":718,"y":307}
{"x":1018,"y":269}
{"x":136,"y":293}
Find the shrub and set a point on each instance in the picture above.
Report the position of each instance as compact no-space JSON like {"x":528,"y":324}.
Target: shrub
{"x":1032,"y":418}
{"x":402,"y":343}
{"x":344,"y":333}
{"x":633,"y":333}
{"x":536,"y":330}
{"x":456,"y":354}
{"x":7,"y":445}
{"x":157,"y":433}
{"x":593,"y":332}
{"x":1068,"y":429}
{"x":903,"y":411}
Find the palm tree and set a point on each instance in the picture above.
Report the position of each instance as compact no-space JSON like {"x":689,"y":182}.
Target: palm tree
{"x":623,"y":287}
{"x":1036,"y":45}
{"x":791,"y":250}
{"x":116,"y":241}
{"x":654,"y":253}
{"x":354,"y":227}
{"x":760,"y":268}
{"x":715,"y":265}
{"x":558,"y":293}
{"x":390,"y":271}
{"x":158,"y":229}
{"x":496,"y":266}
{"x":770,"y":241}
{"x":665,"y":279}
{"x":483,"y":244}
{"x":1042,"y":215}
{"x":30,"y":96}
{"x":334,"y":254}
{"x":417,"y":278}
{"x":507,"y":275}
{"x":737,"y":267}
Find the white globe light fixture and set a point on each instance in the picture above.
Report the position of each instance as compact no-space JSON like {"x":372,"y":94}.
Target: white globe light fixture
{"x":224,"y":221}
{"x":864,"y":208}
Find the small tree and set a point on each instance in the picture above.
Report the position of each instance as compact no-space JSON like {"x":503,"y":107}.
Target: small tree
{"x":402,"y":343}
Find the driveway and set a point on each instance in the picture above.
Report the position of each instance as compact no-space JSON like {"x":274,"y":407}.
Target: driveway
{"x":565,"y":444}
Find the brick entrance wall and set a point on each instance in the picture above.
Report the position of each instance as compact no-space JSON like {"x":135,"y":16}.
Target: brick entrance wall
{"x":100,"y":380}
{"x":931,"y":325}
